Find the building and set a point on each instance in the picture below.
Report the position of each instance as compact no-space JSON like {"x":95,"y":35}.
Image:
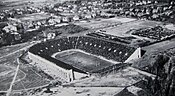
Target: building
{"x":10,"y":28}
{"x":76,"y":18}
{"x":53,"y":21}
{"x":66,"y":19}
{"x":56,"y":68}
{"x":42,"y":53}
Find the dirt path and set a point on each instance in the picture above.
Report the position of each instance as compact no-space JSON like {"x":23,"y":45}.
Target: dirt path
{"x":13,"y":81}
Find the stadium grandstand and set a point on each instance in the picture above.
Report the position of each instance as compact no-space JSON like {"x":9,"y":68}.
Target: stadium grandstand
{"x":42,"y":54}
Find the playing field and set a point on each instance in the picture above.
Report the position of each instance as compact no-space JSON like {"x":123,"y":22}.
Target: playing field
{"x":6,"y":75}
{"x":34,"y":17}
{"x":82,"y":60}
{"x":101,"y":23}
{"x":26,"y":78}
{"x":122,"y":30}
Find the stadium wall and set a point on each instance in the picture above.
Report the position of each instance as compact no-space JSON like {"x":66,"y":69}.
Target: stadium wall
{"x":136,"y":55}
{"x":42,"y":54}
{"x":55,"y":71}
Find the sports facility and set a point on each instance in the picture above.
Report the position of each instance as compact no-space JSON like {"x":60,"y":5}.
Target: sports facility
{"x":73,"y":58}
{"x":100,"y":23}
{"x":85,"y":61}
{"x":121,"y":30}
{"x":6,"y":76}
{"x":26,"y":78}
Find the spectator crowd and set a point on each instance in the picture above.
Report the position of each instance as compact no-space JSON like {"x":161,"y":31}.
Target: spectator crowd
{"x":109,"y":50}
{"x":156,"y":33}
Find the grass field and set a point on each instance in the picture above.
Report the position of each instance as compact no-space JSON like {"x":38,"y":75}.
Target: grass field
{"x":122,"y":78}
{"x":34,"y":17}
{"x":121,"y":30}
{"x":95,"y":24}
{"x":100,"y":23}
{"x":9,"y":49}
{"x":82,"y":60}
{"x":6,"y":76}
{"x":14,"y":4}
{"x":122,"y":27}
{"x":27,"y":77}
{"x":32,"y":79}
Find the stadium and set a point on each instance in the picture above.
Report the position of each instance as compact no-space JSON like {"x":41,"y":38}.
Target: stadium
{"x":72,"y":58}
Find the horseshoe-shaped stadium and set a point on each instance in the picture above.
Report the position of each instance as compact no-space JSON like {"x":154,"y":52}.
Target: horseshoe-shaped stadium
{"x":72,"y":58}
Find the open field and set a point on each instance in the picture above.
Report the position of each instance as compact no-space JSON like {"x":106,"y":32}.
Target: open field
{"x":170,"y":27}
{"x":152,"y":51}
{"x":122,"y":30}
{"x":91,"y":91}
{"x":82,"y":60}
{"x":129,"y":29}
{"x":117,"y":24}
{"x":121,"y":27}
{"x":160,"y":46}
{"x":9,"y":49}
{"x":10,"y":4}
{"x":32,"y":79}
{"x":95,"y":24}
{"x":121,"y":78}
{"x":27,"y":77}
{"x":34,"y":17}
{"x":6,"y":76}
{"x":82,"y":91}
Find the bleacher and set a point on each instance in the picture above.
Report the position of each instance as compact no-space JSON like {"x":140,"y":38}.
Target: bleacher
{"x":156,"y":33}
{"x":109,"y":50}
{"x":99,"y":47}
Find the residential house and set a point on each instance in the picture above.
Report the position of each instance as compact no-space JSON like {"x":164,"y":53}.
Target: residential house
{"x":76,"y":18}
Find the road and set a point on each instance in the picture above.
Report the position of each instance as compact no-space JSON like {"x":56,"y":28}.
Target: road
{"x":17,"y":68}
{"x":24,"y":48}
{"x":13,"y":81}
